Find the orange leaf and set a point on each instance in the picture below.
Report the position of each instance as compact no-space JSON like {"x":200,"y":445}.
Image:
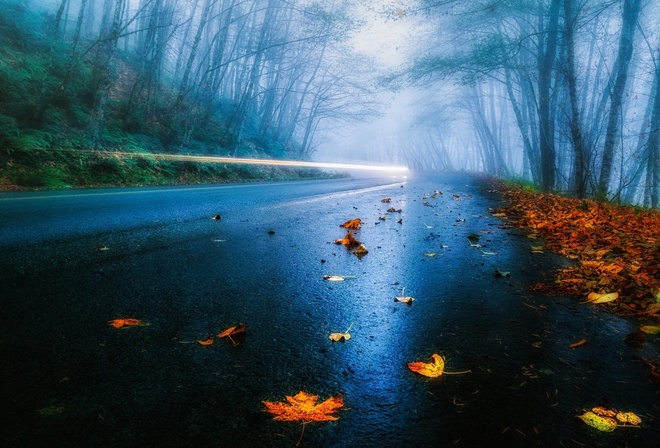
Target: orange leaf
{"x":578,"y":343}
{"x":303,"y":407}
{"x":431,"y":369}
{"x":386,"y":200}
{"x":126,"y":322}
{"x":208,"y":341}
{"x":236,"y":329}
{"x":352,"y":224}
{"x":348,"y":240}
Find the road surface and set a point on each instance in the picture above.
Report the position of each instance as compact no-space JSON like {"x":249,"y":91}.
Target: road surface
{"x":74,"y":260}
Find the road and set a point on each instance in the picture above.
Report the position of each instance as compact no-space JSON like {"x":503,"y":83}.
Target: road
{"x":74,"y":260}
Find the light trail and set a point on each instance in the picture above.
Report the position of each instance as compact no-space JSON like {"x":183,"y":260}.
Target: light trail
{"x":249,"y":161}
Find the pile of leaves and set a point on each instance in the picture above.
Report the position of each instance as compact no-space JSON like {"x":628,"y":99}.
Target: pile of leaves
{"x":616,"y":249}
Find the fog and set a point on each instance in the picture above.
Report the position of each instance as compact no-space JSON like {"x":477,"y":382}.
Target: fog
{"x":561,"y":94}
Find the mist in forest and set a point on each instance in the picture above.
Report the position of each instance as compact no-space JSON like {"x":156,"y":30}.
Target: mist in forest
{"x":563,"y":94}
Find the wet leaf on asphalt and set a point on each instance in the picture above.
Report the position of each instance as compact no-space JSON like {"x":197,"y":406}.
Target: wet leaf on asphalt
{"x":127,"y":322}
{"x":303,"y":407}
{"x":606,"y":424}
{"x":337,"y":278}
{"x":578,"y":343}
{"x":361,"y":250}
{"x":236,"y":330}
{"x":348,"y":240}
{"x":403,"y":298}
{"x":352,"y":224}
{"x":345,"y":336}
{"x":431,"y":369}
{"x":207,"y":341}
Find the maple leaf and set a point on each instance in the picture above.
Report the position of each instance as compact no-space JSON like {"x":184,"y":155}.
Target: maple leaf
{"x":302,"y":407}
{"x":352,"y":224}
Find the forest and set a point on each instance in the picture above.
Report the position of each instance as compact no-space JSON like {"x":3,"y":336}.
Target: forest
{"x":561,"y":94}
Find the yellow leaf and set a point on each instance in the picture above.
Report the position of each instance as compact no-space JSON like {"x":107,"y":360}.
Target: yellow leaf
{"x":431,"y":369}
{"x":606,"y":424}
{"x":345,"y":336}
{"x":650,"y":329}
{"x":595,"y":297}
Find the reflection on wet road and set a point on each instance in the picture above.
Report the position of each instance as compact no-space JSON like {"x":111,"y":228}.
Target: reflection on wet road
{"x":72,"y":380}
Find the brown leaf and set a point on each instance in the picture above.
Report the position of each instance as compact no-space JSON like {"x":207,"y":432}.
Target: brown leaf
{"x":578,"y":343}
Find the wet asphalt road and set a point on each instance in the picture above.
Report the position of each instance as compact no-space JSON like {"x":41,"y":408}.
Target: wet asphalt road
{"x":70,"y":380}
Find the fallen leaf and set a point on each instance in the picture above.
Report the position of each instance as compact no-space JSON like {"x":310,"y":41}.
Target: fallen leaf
{"x":432,"y":369}
{"x":628,"y":418}
{"x":403,"y":298}
{"x":595,"y":297}
{"x":337,"y":278}
{"x":233,"y":331}
{"x":394,"y":210}
{"x":650,"y":329}
{"x":348,"y":240}
{"x":432,"y":254}
{"x":361,"y":251}
{"x":302,"y":407}
{"x":345,"y":336}
{"x":207,"y":341}
{"x":236,"y":329}
{"x":102,"y":248}
{"x":606,"y":424}
{"x":537,"y":249}
{"x":127,"y":322}
{"x":216,"y":217}
{"x":578,"y":343}
{"x":386,"y":200}
{"x":352,"y":224}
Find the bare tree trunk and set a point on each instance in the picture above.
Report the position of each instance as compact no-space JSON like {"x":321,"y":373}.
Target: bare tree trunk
{"x":652,"y":190}
{"x":631,"y":10}
{"x":546,"y":127}
{"x":581,"y":161}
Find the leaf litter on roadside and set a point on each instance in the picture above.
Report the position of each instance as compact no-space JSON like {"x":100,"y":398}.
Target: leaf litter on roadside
{"x":616,"y":248}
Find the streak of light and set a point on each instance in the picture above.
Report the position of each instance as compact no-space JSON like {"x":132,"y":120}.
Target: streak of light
{"x":274,"y":162}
